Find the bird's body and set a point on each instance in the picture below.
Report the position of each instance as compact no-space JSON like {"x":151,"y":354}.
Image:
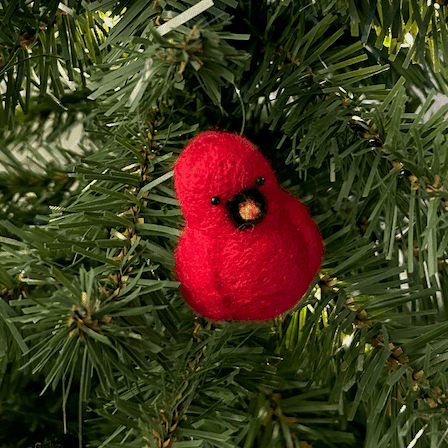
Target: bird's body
{"x":258,"y":249}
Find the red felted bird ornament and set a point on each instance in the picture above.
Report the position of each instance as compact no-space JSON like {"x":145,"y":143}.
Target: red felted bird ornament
{"x":249,"y":250}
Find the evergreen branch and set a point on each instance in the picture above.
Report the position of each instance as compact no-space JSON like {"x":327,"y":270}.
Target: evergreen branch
{"x":90,"y":288}
{"x":398,"y":27}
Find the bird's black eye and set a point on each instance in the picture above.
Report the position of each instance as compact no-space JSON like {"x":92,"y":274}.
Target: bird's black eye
{"x":215,"y":200}
{"x":260,"y":181}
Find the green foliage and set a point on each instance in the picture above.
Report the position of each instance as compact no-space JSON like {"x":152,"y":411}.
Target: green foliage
{"x":202,"y":53}
{"x":408,"y":26}
{"x":90,"y":311}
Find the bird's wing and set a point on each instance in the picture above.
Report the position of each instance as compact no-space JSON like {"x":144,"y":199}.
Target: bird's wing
{"x":302,"y":219}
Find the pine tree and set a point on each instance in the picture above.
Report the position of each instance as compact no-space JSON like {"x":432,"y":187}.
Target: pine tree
{"x":96,"y":341}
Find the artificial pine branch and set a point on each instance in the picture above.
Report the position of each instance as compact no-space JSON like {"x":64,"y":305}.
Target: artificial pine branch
{"x":89,"y":295}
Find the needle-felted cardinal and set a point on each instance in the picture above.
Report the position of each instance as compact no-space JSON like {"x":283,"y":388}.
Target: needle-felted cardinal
{"x":249,"y":250}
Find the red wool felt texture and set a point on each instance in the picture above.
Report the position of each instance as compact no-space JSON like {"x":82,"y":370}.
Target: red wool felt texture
{"x":229,"y":271}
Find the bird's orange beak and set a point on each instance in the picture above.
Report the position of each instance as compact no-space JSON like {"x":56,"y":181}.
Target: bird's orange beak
{"x":249,"y":210}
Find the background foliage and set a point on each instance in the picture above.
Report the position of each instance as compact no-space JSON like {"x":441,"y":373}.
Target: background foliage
{"x":341,"y":96}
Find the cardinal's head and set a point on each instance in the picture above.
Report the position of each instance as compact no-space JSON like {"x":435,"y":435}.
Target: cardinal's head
{"x":223,"y":183}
